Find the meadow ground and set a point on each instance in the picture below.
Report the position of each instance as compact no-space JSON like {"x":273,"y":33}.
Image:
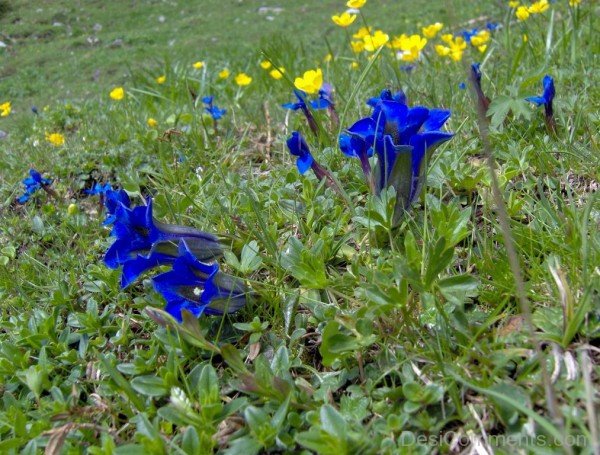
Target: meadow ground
{"x":449,"y":304}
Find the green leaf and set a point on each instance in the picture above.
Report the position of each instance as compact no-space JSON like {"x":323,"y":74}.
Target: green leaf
{"x":333,"y":422}
{"x":149,"y":385}
{"x":121,"y":382}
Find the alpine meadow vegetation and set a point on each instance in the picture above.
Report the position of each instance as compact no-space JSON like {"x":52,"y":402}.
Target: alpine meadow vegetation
{"x":330,"y":227}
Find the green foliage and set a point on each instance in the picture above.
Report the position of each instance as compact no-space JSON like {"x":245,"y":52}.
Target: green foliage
{"x":365,"y":333}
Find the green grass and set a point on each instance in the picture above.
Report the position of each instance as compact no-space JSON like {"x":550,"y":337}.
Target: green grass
{"x":358,"y":337}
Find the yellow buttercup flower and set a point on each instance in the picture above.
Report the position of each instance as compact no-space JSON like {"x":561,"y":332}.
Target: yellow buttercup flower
{"x":362,"y":32}
{"x":56,"y":139}
{"x":310,"y":82}
{"x":161,"y":79}
{"x":198,"y":65}
{"x":481,"y":38}
{"x":357,"y":46}
{"x":277,"y":73}
{"x":431,"y":30}
{"x":514,"y":4}
{"x":441,"y":50}
{"x":328,"y":58}
{"x":224,"y":74}
{"x":375,"y":41}
{"x":454,"y":50}
{"x":354,"y":65}
{"x":265,"y":64}
{"x":356,"y":3}
{"x":482,"y":48}
{"x":522,"y":13}
{"x":5,"y":109}
{"x":117,"y":93}
{"x":242,"y":79}
{"x":344,"y":19}
{"x":410,"y":46}
{"x":152,"y":123}
{"x":538,"y":7}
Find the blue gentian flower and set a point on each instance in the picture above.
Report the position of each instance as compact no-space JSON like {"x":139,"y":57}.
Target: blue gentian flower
{"x":198,"y":287}
{"x":325,"y":99}
{"x":547,"y":96}
{"x":386,"y":95}
{"x":34,"y":182}
{"x":491,"y":26}
{"x":98,"y":189}
{"x":462,"y":86}
{"x":467,"y":34}
{"x":215,"y":112}
{"x":299,"y":148}
{"x":402,"y":137}
{"x":301,"y":104}
{"x":407,"y":68}
{"x":483,"y":100}
{"x":143,"y":243}
{"x":112,"y":200}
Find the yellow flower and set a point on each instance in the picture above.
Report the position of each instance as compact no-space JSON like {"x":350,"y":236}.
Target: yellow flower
{"x":482,"y":37}
{"x":574,"y":2}
{"x":310,"y":82}
{"x":265,"y":64}
{"x":522,"y":13}
{"x":442,"y":51}
{"x":513,"y":4}
{"x":344,"y":19}
{"x":482,"y":48}
{"x":525,"y":37}
{"x":277,"y":73}
{"x":328,"y":58}
{"x":538,"y":7}
{"x":198,"y":65}
{"x":375,"y":41}
{"x":117,"y":93}
{"x":5,"y":109}
{"x":56,"y":139}
{"x":242,"y":79}
{"x":224,"y":74}
{"x":362,"y":32}
{"x":410,"y":46}
{"x":161,"y":79}
{"x":357,"y":46}
{"x":152,"y":123}
{"x":431,"y":30}
{"x":356,"y":3}
{"x":454,"y":50}
{"x":447,"y":38}
{"x":354,"y":65}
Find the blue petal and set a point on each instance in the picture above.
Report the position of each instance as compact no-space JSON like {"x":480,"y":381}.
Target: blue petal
{"x":133,"y":268}
{"x":207,"y":100}
{"x":436,"y":119}
{"x":365,"y":128}
{"x":23,"y":199}
{"x":292,"y":106}
{"x":304,"y":163}
{"x":320,"y":103}
{"x":297,"y":145}
{"x":538,"y":100}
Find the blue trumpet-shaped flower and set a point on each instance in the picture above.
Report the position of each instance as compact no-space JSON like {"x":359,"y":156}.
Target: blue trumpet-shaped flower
{"x":143,"y":243}
{"x":112,"y":200}
{"x":299,"y":148}
{"x":198,"y":287}
{"x":98,"y":189}
{"x":402,"y":137}
{"x":34,"y":182}
{"x":301,"y":104}
{"x":547,"y":96}
{"x":325,"y":99}
{"x":215,"y":112}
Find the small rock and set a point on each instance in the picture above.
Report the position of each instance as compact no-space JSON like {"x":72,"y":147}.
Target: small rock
{"x":97,"y":27}
{"x":270,"y":18}
{"x":116,"y":43}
